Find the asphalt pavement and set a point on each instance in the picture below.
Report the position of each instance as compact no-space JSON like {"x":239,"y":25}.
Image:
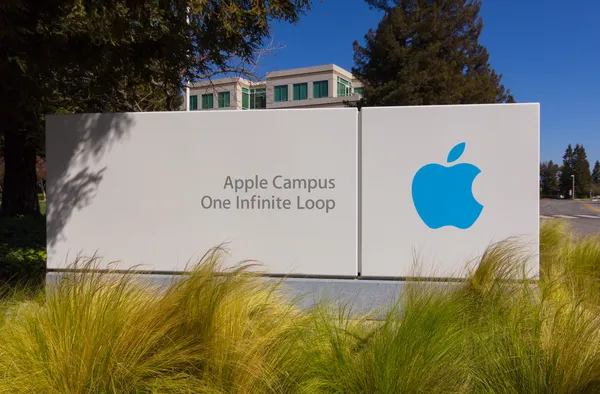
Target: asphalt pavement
{"x":583,"y":216}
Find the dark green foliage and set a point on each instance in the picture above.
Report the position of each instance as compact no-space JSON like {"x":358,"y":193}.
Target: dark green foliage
{"x":112,"y":56}
{"x":596,"y":179}
{"x":567,"y":169}
{"x":575,"y":163}
{"x":426,"y":52}
{"x":1,"y":175}
{"x":549,"y":178}
{"x":583,"y":178}
{"x":22,"y":250}
{"x":596,"y":172}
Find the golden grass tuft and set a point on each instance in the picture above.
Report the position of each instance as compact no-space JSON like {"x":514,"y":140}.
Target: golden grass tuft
{"x":212,"y":331}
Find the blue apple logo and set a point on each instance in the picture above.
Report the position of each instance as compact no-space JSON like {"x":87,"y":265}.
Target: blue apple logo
{"x":443,"y":196}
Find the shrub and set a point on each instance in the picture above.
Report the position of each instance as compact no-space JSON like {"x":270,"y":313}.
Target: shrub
{"x":22,"y":250}
{"x":22,"y":264}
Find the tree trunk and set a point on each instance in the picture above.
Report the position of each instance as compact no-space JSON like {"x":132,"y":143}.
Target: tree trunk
{"x":19,"y":196}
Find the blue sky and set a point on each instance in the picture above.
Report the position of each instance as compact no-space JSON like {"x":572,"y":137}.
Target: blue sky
{"x":547,"y":50}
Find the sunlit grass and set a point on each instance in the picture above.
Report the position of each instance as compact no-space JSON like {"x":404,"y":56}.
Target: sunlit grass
{"x":418,"y":348}
{"x":540,"y":337}
{"x":228,"y":331}
{"x":208,"y":332}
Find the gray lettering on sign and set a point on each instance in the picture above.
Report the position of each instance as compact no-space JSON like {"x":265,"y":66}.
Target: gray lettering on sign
{"x":207,"y":202}
{"x":254,"y":201}
{"x":245,"y":184}
{"x":319,"y":204}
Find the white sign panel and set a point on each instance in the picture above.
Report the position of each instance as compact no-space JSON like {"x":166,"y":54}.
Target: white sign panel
{"x":155,"y":191}
{"x":442,"y":183}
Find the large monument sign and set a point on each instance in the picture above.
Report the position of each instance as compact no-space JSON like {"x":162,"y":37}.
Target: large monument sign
{"x":441,"y":183}
{"x":279,"y":187}
{"x":392,"y":192}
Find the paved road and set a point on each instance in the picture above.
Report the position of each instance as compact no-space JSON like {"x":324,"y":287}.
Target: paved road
{"x":582,"y":216}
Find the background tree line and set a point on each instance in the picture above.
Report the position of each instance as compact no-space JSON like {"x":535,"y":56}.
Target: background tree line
{"x":557,"y":180}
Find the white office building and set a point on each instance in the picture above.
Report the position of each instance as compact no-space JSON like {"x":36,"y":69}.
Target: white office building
{"x":310,"y":87}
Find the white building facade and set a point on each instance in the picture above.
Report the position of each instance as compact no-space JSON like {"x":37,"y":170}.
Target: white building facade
{"x":311,"y":87}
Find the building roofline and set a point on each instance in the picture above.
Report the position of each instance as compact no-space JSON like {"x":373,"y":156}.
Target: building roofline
{"x":276,"y":74}
{"x":309,"y":70}
{"x":223,"y":81}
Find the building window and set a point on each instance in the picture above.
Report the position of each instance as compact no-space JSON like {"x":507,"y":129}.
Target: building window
{"x":281,"y":93}
{"x":224,"y":100}
{"x":320,"y":89}
{"x":358,"y":91}
{"x":193,"y":103}
{"x":207,"y":101}
{"x":344,"y":87}
{"x":245,"y":98}
{"x":300,"y":91}
{"x":258,"y":98}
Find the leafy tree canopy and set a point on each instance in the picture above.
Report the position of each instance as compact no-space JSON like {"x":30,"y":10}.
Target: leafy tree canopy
{"x":113,"y":55}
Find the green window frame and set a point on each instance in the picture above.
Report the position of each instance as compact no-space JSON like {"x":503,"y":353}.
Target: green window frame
{"x":193,"y":103}
{"x":320,"y":89}
{"x":245,"y":98}
{"x":344,"y":87}
{"x":224,"y":100}
{"x":301,"y":91}
{"x":280,"y":93}
{"x":207,"y":101}
{"x":358,"y":91}
{"x":258,"y":98}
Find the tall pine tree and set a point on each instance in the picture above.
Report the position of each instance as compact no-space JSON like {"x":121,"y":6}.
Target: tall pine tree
{"x":583,"y":178}
{"x":596,"y":172}
{"x":426,"y":52}
{"x":567,"y":169}
{"x":549,"y":178}
{"x":596,"y":179}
